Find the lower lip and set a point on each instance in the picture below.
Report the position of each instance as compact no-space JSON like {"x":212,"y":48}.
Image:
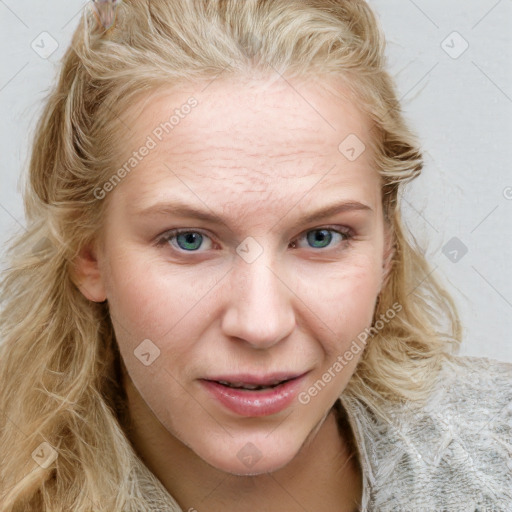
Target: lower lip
{"x":255,"y":403}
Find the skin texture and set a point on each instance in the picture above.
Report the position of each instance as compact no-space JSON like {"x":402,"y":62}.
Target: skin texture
{"x":260,"y":154}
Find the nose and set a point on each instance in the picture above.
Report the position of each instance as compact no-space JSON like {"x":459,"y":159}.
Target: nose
{"x":260,"y":310}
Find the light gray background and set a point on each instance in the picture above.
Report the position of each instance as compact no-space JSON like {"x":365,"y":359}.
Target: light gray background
{"x":458,"y":102}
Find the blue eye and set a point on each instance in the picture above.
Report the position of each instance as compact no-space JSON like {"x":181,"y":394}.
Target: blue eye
{"x":191,"y":240}
{"x":324,"y":239}
{"x":320,"y":238}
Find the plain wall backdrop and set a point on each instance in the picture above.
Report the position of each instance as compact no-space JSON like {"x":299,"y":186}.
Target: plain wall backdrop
{"x":452,"y":63}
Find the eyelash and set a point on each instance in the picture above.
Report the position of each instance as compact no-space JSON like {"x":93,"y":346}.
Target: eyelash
{"x":165,"y":239}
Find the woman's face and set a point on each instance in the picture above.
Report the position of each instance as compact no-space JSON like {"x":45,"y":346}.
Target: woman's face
{"x":256,"y":289}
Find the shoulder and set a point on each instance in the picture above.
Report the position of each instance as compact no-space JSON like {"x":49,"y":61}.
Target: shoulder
{"x":473,"y":396}
{"x":469,"y":442}
{"x":473,"y":390}
{"x":453,"y":453}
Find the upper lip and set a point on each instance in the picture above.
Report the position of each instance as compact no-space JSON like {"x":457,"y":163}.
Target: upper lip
{"x":256,"y":380}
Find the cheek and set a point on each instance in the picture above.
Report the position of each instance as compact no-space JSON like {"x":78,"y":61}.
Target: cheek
{"x":342,"y":292}
{"x":150,"y":298}
{"x":344,"y":308}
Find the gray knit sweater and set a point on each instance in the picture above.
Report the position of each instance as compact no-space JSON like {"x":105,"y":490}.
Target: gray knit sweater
{"x":453,"y":455}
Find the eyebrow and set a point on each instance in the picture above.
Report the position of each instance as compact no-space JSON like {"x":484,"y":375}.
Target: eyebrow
{"x":178,"y":208}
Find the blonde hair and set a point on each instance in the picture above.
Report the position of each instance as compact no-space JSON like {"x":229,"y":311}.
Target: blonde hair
{"x":59,"y":371}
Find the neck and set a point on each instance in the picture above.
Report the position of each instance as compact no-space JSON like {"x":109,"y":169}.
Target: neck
{"x":323,"y":476}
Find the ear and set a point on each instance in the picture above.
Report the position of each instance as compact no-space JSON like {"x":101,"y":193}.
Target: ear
{"x":87,"y":275}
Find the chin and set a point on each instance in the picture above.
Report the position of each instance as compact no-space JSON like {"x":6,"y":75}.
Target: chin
{"x":252,"y":458}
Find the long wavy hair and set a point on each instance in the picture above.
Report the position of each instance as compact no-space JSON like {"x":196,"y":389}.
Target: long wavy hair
{"x":60,"y":386}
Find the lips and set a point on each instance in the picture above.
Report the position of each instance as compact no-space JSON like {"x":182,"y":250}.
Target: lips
{"x":257,"y":395}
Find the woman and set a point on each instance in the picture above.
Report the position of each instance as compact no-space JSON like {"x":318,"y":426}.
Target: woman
{"x":215,"y":304}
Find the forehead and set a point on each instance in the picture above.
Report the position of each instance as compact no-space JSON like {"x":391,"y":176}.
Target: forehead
{"x":251,"y":136}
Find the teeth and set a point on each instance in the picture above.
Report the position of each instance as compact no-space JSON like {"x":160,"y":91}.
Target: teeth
{"x":246,"y":386}
{"x":241,"y":385}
